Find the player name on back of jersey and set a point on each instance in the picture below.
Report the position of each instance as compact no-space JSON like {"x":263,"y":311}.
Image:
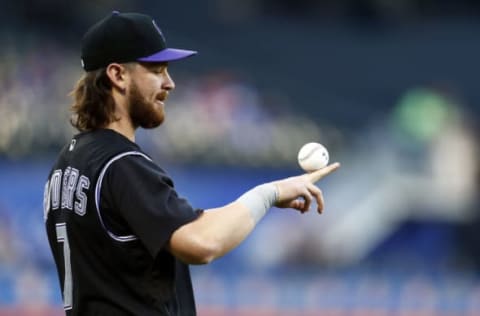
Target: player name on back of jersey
{"x":66,"y":190}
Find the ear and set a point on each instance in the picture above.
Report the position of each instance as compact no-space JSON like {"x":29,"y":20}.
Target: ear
{"x":119,"y":76}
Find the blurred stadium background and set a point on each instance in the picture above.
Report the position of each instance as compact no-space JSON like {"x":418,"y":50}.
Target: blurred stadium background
{"x":390,"y":87}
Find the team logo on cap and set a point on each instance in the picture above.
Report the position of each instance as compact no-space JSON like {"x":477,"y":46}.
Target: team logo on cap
{"x":158,"y":30}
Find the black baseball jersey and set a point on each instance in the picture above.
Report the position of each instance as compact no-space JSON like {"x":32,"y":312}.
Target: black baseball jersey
{"x":109,"y":212}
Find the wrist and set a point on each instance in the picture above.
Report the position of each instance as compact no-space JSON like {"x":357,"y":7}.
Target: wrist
{"x":260,"y":199}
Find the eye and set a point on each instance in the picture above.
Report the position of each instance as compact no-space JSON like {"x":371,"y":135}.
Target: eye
{"x":158,"y":70}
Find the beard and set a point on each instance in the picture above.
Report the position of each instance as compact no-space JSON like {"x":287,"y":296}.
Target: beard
{"x":143,"y":112}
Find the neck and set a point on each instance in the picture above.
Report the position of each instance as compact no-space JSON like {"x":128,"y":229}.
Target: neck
{"x":123,"y":125}
{"x":124,"y":128}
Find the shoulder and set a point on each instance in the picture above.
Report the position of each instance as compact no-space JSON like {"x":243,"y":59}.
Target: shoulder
{"x":107,"y":138}
{"x":136,"y":170}
{"x":135,"y":162}
{"x":103,"y":147}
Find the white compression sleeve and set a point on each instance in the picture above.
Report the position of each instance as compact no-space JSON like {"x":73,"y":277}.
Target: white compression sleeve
{"x":259,"y":200}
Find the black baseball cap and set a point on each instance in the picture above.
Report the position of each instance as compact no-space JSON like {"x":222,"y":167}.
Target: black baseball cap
{"x":126,"y":37}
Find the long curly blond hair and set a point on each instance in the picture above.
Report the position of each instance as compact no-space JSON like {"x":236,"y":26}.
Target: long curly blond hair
{"x":93,"y":106}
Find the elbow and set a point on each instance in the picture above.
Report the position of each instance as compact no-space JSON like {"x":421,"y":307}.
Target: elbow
{"x":197,"y":251}
{"x":206,"y":252}
{"x":201,"y":260}
{"x":196,"y":246}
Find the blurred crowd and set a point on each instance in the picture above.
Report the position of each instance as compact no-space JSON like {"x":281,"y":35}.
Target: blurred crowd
{"x":215,"y":118}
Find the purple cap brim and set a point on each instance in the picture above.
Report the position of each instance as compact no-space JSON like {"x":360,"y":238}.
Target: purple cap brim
{"x":168,"y":54}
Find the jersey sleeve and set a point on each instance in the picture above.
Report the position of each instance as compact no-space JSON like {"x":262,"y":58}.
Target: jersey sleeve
{"x":144,"y":196}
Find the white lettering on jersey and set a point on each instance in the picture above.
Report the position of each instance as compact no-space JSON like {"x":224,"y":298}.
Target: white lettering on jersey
{"x":81,"y":203}
{"x":55,"y":188}
{"x":66,"y":177}
{"x":46,"y":200}
{"x":70,"y":178}
{"x":66,"y":189}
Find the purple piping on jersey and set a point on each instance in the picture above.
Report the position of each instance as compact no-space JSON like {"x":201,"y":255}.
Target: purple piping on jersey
{"x":99,"y":187}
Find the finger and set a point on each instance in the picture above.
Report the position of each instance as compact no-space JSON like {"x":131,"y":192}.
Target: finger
{"x":318,"y":195}
{"x":307,"y":197}
{"x":298,"y":205}
{"x":316,"y":175}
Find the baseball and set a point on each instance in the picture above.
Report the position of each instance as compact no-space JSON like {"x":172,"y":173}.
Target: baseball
{"x":313,"y":156}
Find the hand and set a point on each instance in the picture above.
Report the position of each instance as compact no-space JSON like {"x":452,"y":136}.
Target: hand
{"x":290,"y":190}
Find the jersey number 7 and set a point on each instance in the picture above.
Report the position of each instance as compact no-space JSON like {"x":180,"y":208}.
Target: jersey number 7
{"x":62,"y":237}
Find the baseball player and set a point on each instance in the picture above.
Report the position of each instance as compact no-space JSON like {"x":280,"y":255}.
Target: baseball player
{"x":121,"y":237}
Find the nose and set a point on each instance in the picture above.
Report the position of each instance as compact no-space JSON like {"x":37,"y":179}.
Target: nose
{"x":168,"y":83}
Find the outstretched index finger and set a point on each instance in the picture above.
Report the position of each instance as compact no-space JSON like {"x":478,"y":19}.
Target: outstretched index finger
{"x":316,"y":175}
